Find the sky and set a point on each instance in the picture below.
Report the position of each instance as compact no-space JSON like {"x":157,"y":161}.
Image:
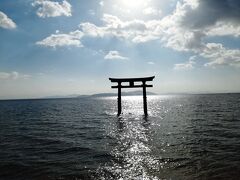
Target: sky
{"x":63,"y":47}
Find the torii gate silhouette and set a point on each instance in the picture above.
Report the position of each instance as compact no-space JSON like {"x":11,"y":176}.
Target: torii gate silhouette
{"x":132,"y":85}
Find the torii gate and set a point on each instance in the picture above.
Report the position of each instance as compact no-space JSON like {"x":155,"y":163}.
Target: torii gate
{"x":131,"y":85}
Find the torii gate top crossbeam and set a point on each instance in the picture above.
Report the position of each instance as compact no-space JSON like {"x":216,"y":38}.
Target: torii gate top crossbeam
{"x":131,"y":82}
{"x":131,"y":79}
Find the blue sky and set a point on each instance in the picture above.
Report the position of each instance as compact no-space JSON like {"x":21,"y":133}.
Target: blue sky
{"x":73,"y":46}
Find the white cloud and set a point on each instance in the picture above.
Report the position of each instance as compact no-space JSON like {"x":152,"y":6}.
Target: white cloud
{"x":225,"y":29}
{"x":48,"y":8}
{"x":151,"y":11}
{"x":92,"y":12}
{"x":60,"y":40}
{"x":195,"y":20}
{"x":13,"y":76}
{"x":183,"y":66}
{"x":101,"y":3}
{"x":114,"y":55}
{"x":4,"y":75}
{"x":187,"y":65}
{"x":219,"y":55}
{"x":136,"y":31}
{"x":6,"y":22}
{"x":188,"y":26}
{"x":151,"y":63}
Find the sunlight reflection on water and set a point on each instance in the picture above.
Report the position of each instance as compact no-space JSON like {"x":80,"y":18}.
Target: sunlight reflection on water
{"x":132,"y":155}
{"x":133,"y":105}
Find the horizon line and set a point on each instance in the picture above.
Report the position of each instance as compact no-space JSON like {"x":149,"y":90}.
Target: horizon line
{"x":86,"y":96}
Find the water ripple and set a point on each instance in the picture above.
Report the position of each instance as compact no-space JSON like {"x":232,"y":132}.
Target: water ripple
{"x":184,"y":137}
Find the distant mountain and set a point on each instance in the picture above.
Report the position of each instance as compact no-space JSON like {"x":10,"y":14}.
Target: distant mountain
{"x":137,"y":93}
{"x":62,"y":96}
{"x":103,"y":95}
{"x":131,"y":93}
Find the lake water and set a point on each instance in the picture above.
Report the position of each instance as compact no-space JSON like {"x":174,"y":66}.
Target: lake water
{"x":184,"y":137}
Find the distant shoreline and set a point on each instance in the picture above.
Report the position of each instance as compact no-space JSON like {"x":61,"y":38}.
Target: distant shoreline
{"x":99,"y":95}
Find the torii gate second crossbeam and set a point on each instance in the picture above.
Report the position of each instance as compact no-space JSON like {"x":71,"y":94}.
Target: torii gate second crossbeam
{"x":131,"y":84}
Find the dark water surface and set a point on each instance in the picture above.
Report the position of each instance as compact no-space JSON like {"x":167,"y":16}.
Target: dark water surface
{"x":184,"y":137}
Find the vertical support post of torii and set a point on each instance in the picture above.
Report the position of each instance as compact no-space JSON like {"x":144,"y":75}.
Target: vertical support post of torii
{"x":144,"y":98}
{"x":119,"y":99}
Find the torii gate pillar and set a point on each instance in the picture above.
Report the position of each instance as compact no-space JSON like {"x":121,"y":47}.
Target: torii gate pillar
{"x":119,"y":99}
{"x":144,"y":98}
{"x":131,"y":85}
